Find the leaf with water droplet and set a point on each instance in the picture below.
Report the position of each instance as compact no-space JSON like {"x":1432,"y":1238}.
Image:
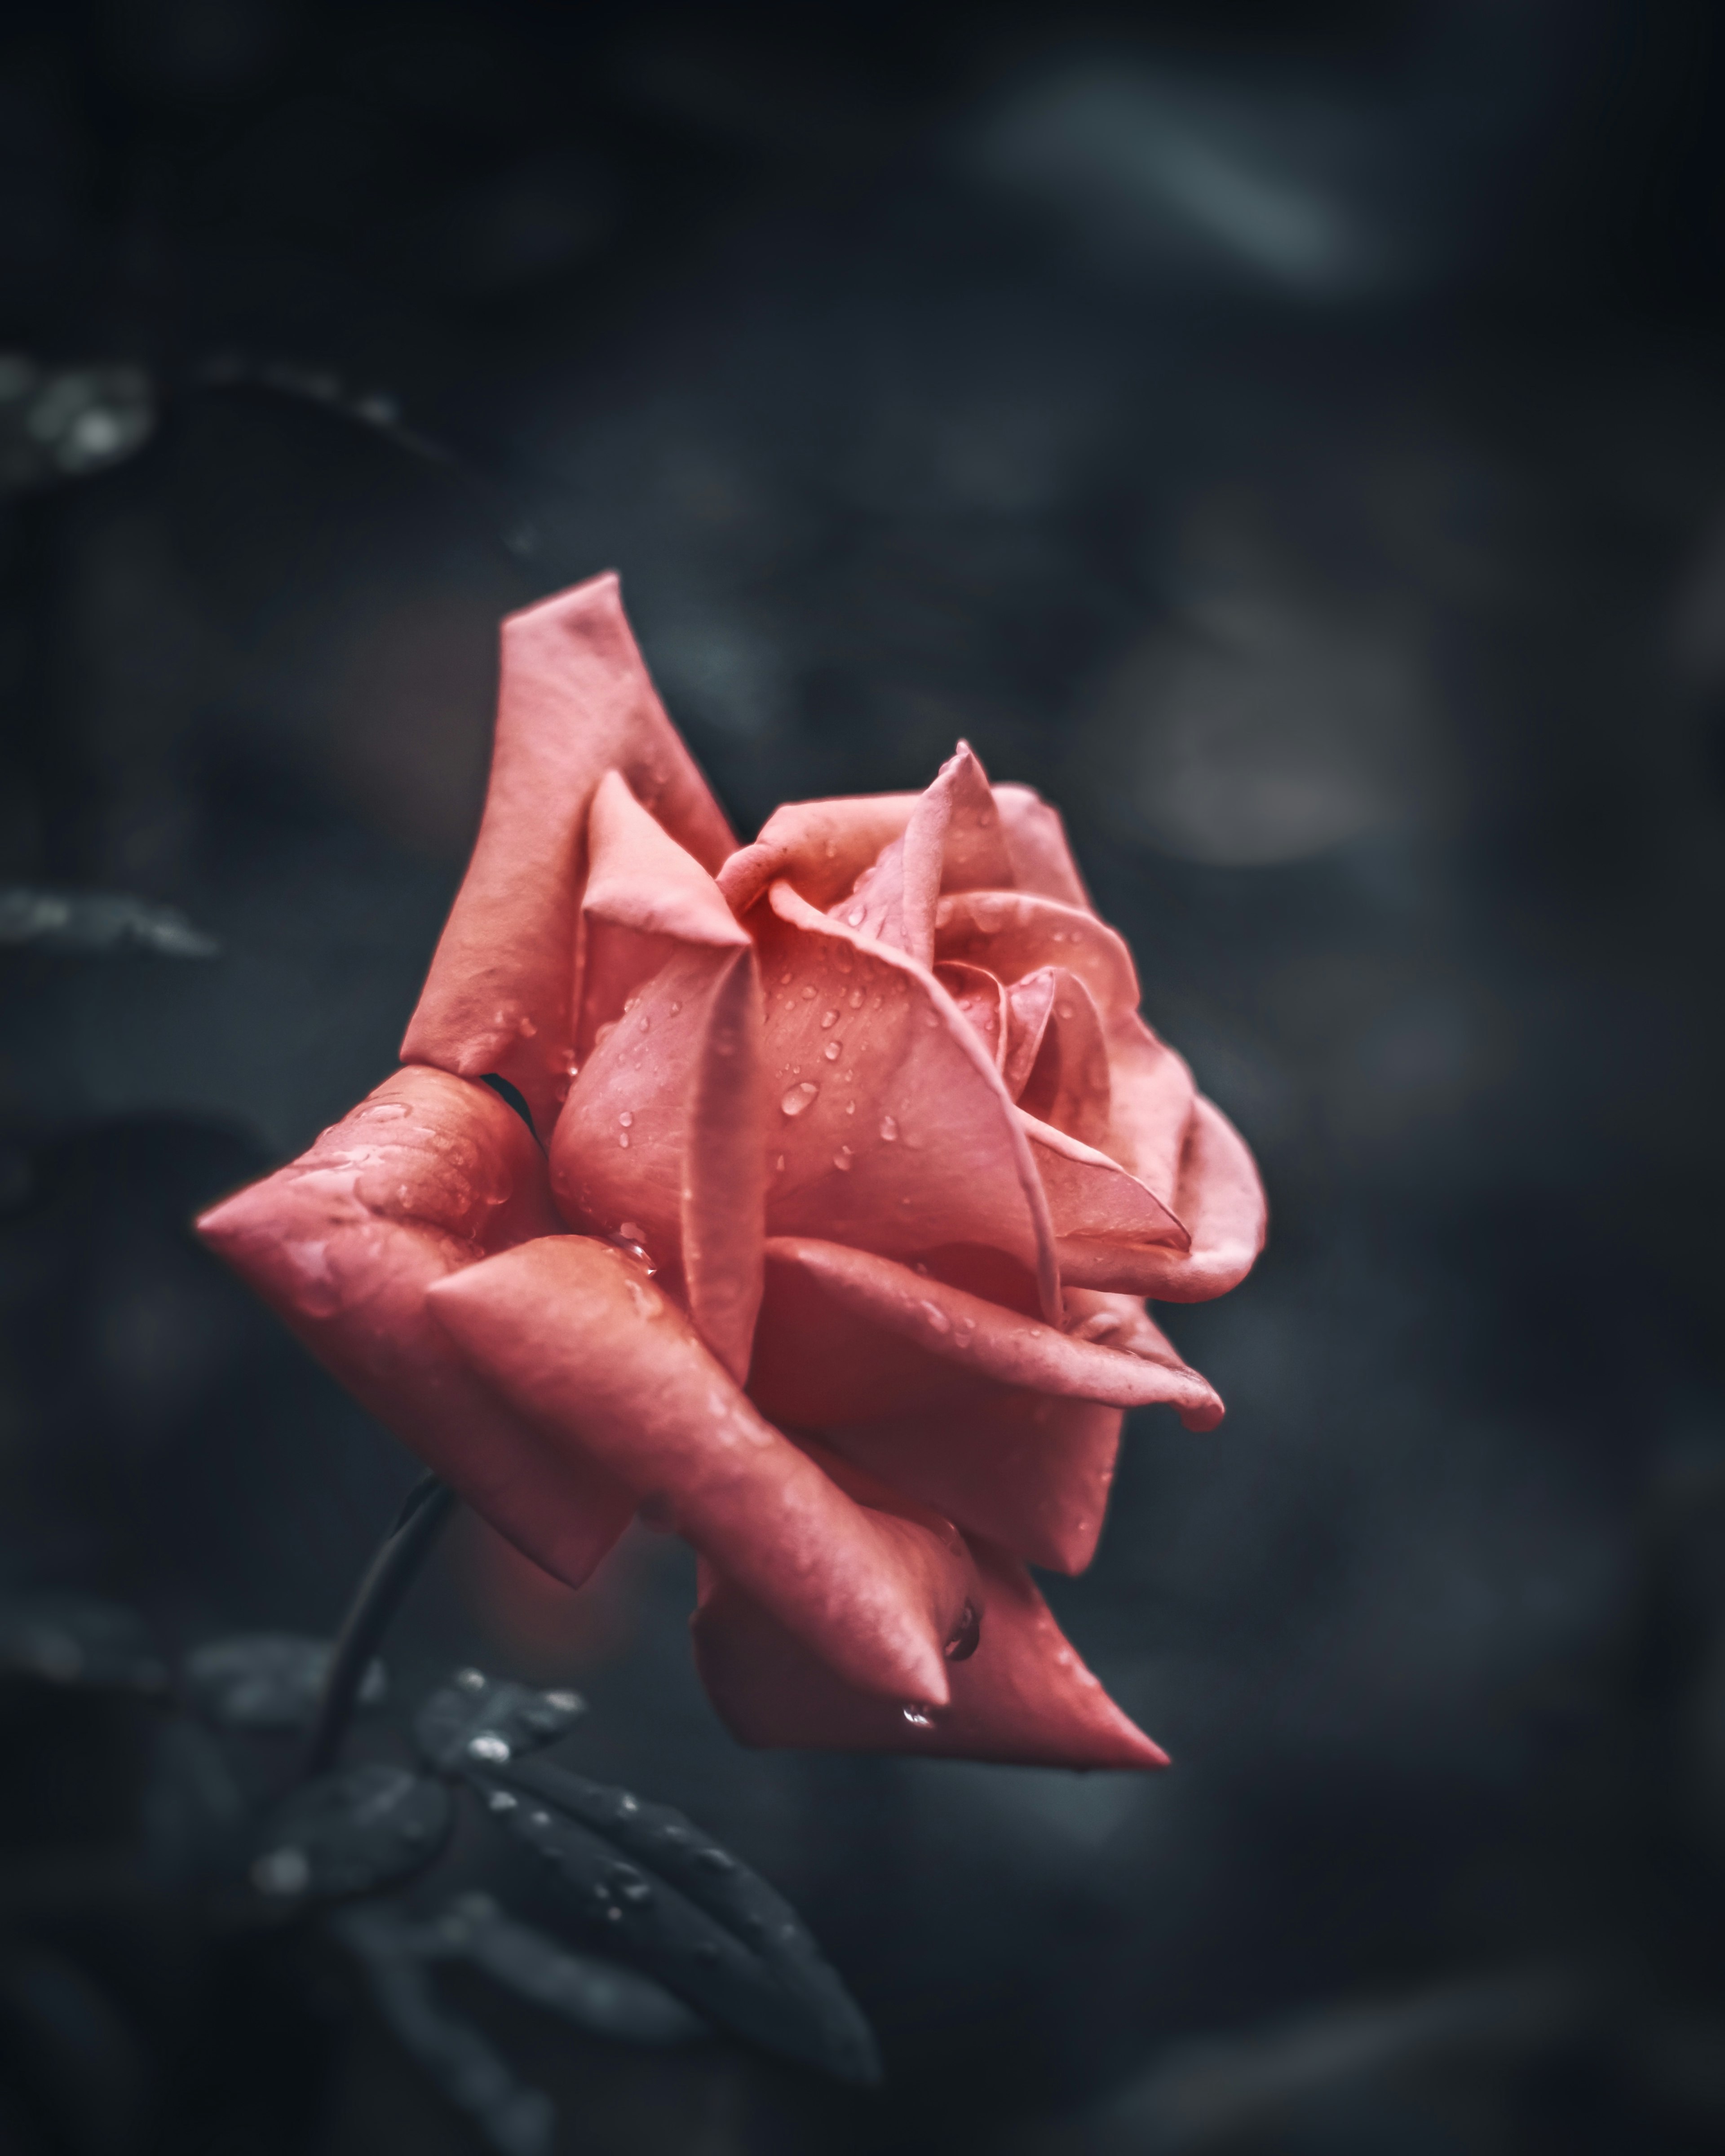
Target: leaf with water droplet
{"x":598,"y":1995}
{"x":75,"y":1639}
{"x":491,"y":1720}
{"x":350,"y":1832}
{"x":266,"y":1681}
{"x":654,"y":1889}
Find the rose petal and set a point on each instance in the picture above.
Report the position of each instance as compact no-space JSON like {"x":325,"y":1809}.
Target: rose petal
{"x":819,"y":847}
{"x":952,"y":841}
{"x":1012,"y":933}
{"x":1026,"y":1470}
{"x":426,"y":1177}
{"x":1093,"y":1198}
{"x":1023,"y":1697}
{"x":1036,"y":845}
{"x":1069,"y":1084}
{"x":856,"y":1373}
{"x":575,"y":701}
{"x":575,"y":1337}
{"x":982,"y":1005}
{"x":891,"y":1129}
{"x":1222,"y":1203}
{"x":1153,"y":1097}
{"x":661,"y":1131}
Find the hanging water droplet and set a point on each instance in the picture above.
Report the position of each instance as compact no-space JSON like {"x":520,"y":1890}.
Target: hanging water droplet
{"x":843,"y":1158}
{"x":919,"y":1718}
{"x":799,"y":1098}
{"x":889,"y":1128}
{"x":967,"y":1636}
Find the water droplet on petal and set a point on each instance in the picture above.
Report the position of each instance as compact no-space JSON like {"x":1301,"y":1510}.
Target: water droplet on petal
{"x":843,"y":1158}
{"x":809,"y":991}
{"x":828,"y":1017}
{"x":889,"y":1128}
{"x":799,"y":1098}
{"x":938,"y":1320}
{"x":831,"y":1050}
{"x":967,"y":1636}
{"x":623,"y":1140}
{"x":919,"y":1718}
{"x":855,"y":999}
{"x":626,"y":1118}
{"x":856,"y":917}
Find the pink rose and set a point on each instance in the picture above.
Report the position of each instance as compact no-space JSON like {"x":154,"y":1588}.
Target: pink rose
{"x":857,"y":1164}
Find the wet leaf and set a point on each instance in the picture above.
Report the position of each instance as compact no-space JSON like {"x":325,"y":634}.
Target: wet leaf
{"x":655,"y":1892}
{"x":351,"y":1832}
{"x":64,"y":422}
{"x":515,"y":2119}
{"x":597,"y":1995}
{"x":490,"y":1720}
{"x":265,"y":1681}
{"x":96,"y":921}
{"x":75,"y":1640}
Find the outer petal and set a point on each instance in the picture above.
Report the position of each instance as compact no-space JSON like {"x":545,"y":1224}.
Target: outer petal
{"x":575,"y":1337}
{"x":838,"y":1320}
{"x":890,"y":1130}
{"x":1221,"y":1200}
{"x":1036,"y":842}
{"x":1023,"y":1697}
{"x":575,"y":701}
{"x":1069,"y":1082}
{"x":1151,"y":1106}
{"x":425,"y":1179}
{"x":1027,"y":1470}
{"x":1092,"y":1198}
{"x":660,"y":1141}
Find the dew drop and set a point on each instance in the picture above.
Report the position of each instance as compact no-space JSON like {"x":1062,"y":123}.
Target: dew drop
{"x":674,"y":1009}
{"x":799,"y":1098}
{"x":827,"y":1019}
{"x":831,"y":1050}
{"x":779,"y":1163}
{"x":850,"y":1107}
{"x":938,"y":1320}
{"x":855,"y":999}
{"x":843,"y":1158}
{"x":809,"y":991}
{"x":784,"y":980}
{"x":856,"y":917}
{"x":623,"y":1140}
{"x":487,"y":1745}
{"x":889,"y":1128}
{"x":967,"y":1636}
{"x":626,"y":1118}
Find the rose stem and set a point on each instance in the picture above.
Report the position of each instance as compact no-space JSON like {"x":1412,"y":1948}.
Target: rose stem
{"x":387,"y":1578}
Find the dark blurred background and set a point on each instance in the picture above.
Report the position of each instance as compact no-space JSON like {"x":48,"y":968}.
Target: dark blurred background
{"x":1292,"y":436}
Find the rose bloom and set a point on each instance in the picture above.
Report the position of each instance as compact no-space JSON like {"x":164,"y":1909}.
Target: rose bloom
{"x":849,"y":1166}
